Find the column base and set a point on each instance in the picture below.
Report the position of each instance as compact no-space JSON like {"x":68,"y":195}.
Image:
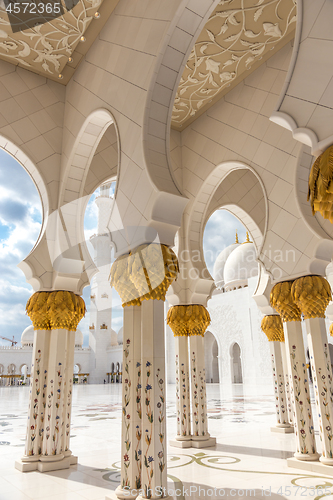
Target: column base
{"x":306,"y":457}
{"x":45,"y":464}
{"x":312,"y":466}
{"x":122,"y":493}
{"x":207,"y":443}
{"x":326,"y":461}
{"x":283,"y":430}
{"x":180,"y":444}
{"x":193,"y":442}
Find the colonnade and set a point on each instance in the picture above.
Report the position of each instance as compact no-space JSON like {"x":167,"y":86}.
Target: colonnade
{"x":189,"y":323}
{"x":309,"y":297}
{"x":273,"y":328}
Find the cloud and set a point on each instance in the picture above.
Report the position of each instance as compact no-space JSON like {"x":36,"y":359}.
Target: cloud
{"x":16,"y":183}
{"x":13,"y":319}
{"x":12,"y":210}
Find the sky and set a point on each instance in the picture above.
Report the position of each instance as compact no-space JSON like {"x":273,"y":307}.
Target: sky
{"x":20,"y":224}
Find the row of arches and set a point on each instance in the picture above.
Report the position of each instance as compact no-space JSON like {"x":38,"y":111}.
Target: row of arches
{"x":212,"y":361}
{"x":14,"y":376}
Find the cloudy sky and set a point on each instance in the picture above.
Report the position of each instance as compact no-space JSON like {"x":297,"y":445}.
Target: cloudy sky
{"x":20,"y":223}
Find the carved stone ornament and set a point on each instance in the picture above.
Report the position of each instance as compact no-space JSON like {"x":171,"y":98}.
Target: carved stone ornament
{"x":237,"y":35}
{"x":46,"y":48}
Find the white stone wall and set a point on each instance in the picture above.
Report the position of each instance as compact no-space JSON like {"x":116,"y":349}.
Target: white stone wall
{"x":236,"y":318}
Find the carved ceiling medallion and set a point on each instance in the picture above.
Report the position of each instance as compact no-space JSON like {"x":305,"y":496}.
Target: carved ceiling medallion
{"x":47,"y":48}
{"x":238,"y":34}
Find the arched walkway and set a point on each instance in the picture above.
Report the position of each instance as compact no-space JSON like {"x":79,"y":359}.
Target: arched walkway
{"x":236,"y":364}
{"x":211,"y":358}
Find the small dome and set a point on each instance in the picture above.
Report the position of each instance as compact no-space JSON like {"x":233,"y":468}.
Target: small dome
{"x":120,"y":336}
{"x":114,"y":337}
{"x":241,"y":265}
{"x":218,"y":270}
{"x":78,"y":338}
{"x":27,"y":337}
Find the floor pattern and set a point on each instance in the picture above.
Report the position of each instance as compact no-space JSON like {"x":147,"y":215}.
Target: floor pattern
{"x":248,"y":460}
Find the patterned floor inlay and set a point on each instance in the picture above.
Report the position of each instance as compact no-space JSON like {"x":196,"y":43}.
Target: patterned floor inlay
{"x":248,"y":460}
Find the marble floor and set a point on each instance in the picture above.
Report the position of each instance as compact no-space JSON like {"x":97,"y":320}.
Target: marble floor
{"x":248,"y":461}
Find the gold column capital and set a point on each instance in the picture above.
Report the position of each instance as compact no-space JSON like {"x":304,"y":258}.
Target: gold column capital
{"x":312,"y":295}
{"x":144,"y":274}
{"x":272,"y":326}
{"x":186,"y":320}
{"x":55,"y":310}
{"x":320,"y":185}
{"x":281,"y":300}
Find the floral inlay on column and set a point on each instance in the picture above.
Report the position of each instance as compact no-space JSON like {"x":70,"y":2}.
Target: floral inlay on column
{"x":161,"y":416}
{"x":33,"y":430}
{"x":305,"y":418}
{"x":195,"y":400}
{"x":126,"y":415}
{"x":148,"y":459}
{"x":282,"y":300}
{"x":138,"y":451}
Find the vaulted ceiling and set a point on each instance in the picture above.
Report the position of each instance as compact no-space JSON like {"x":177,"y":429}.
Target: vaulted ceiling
{"x":237,"y":38}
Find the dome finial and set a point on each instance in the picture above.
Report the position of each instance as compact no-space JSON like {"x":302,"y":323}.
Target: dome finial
{"x":247,"y":238}
{"x":237,"y":240}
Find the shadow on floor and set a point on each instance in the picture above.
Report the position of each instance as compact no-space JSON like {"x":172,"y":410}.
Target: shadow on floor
{"x":257,"y":452}
{"x":183,"y":491}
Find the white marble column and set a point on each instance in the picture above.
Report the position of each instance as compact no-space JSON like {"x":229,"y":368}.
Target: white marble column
{"x":200,"y":435}
{"x":303,"y":420}
{"x":49,"y":415}
{"x":183,"y":400}
{"x":154,"y":468}
{"x":36,"y":412}
{"x":52,"y":445}
{"x":131,"y":442}
{"x":322,"y":383}
{"x":290,"y":408}
{"x":279,"y":385}
{"x":68,"y":387}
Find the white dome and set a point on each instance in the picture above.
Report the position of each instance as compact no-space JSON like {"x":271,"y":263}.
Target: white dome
{"x":241,"y":265}
{"x":114,"y":337}
{"x":120,"y":336}
{"x":78,"y":338}
{"x":218,"y":270}
{"x":27,"y":337}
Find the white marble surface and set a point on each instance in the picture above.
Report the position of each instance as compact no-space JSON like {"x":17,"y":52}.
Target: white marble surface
{"x":247,"y":455}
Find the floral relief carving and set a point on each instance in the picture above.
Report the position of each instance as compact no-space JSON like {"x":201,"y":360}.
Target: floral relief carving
{"x":46,"y":47}
{"x":236,"y":36}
